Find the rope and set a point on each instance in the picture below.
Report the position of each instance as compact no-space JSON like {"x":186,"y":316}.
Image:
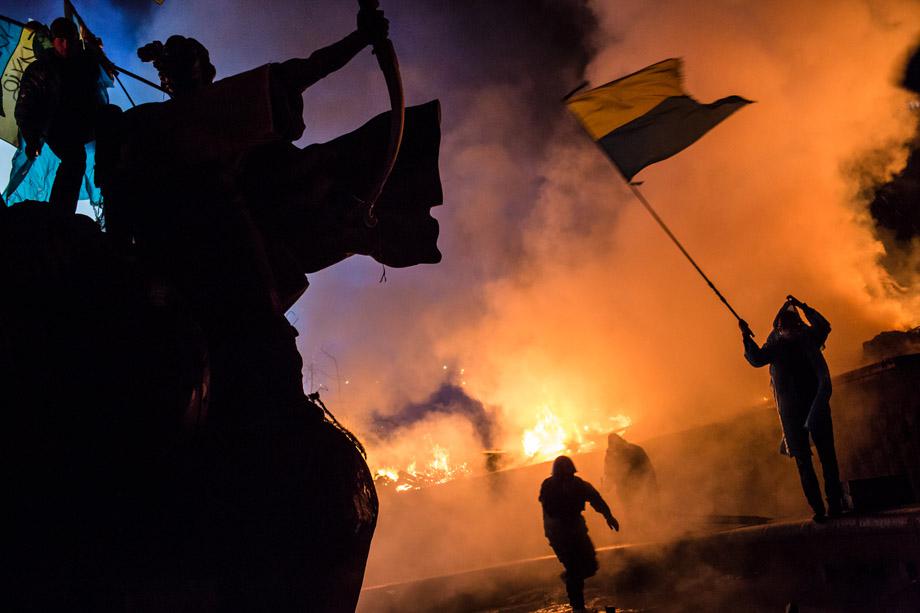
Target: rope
{"x":315,"y":399}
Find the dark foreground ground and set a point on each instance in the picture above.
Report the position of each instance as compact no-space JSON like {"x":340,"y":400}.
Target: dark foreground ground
{"x":866,"y":563}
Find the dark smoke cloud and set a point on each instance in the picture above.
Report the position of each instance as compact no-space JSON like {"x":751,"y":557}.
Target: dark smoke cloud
{"x":449,"y":399}
{"x":893,"y":201}
{"x":895,"y":204}
{"x":911,"y":79}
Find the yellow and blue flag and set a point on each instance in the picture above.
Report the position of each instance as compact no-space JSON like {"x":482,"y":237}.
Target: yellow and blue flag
{"x":647,"y":116}
{"x":16,"y":54}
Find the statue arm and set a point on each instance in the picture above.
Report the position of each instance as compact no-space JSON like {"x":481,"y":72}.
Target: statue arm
{"x":301,"y":73}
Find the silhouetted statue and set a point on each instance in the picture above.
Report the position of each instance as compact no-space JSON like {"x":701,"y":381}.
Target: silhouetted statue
{"x":58,"y":105}
{"x":563,"y":496}
{"x":630,"y":478}
{"x":166,"y":454}
{"x":802,"y":387}
{"x":309,"y":204}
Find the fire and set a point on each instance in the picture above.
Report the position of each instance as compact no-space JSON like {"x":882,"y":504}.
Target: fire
{"x":551,"y":436}
{"x":554,"y":433}
{"x":436,"y":471}
{"x":548,"y":437}
{"x":387,"y":473}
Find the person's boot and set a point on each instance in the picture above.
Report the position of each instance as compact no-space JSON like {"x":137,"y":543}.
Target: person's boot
{"x":836,"y":505}
{"x":820,"y":516}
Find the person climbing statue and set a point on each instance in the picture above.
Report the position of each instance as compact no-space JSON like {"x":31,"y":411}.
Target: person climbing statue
{"x":59,"y":103}
{"x":563,"y":496}
{"x":802,"y":387}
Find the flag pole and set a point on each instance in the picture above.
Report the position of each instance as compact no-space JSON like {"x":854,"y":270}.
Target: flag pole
{"x":634,"y":187}
{"x":136,"y":77}
{"x":70,"y":10}
{"x":125,"y":90}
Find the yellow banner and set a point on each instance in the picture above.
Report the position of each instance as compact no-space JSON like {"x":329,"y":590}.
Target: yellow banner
{"x":16,"y":63}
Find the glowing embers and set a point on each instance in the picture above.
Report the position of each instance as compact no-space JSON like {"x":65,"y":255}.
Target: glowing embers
{"x":553,"y":436}
{"x":436,"y":471}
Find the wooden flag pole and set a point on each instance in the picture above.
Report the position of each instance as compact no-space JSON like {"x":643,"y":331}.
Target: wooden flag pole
{"x":648,"y":207}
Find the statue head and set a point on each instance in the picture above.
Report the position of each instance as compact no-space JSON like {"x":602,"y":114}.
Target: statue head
{"x":184,"y":64}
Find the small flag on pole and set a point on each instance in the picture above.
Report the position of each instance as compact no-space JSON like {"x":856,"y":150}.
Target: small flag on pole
{"x":647,"y":117}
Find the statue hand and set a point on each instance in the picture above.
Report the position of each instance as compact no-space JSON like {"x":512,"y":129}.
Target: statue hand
{"x":373,"y":26}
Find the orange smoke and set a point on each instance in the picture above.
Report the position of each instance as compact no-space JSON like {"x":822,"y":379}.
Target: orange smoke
{"x":556,"y":289}
{"x":604,"y":311}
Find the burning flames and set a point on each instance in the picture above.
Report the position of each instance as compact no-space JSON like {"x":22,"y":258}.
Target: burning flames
{"x":436,"y":471}
{"x":552,"y":436}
